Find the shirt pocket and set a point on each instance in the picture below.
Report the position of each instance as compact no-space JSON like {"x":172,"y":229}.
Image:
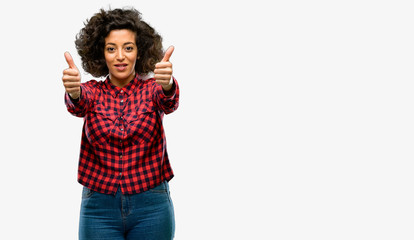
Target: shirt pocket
{"x":99,"y":125}
{"x":142,"y":123}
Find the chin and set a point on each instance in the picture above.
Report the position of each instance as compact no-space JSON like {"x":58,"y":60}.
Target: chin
{"x":122,"y":76}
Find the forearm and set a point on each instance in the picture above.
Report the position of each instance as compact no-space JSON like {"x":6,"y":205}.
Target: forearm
{"x":167,"y":100}
{"x":77,"y":106}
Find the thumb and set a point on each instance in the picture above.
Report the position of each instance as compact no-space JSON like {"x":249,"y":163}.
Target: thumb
{"x":168,"y":54}
{"x":69,"y":60}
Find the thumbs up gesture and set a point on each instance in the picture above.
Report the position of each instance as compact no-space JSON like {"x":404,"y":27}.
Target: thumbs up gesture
{"x":71,"y":78}
{"x":163,"y":70}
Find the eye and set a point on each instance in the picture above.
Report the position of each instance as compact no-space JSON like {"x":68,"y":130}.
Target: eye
{"x":129,"y":48}
{"x":110,"y":49}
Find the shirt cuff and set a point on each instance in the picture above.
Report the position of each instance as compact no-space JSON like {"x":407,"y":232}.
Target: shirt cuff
{"x":74,"y":102}
{"x":171,"y":92}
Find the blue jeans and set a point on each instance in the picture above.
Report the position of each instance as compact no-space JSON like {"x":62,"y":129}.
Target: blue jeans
{"x":146,"y":215}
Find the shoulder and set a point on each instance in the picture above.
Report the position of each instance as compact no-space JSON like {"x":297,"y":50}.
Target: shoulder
{"x":147,"y":81}
{"x":93,"y":84}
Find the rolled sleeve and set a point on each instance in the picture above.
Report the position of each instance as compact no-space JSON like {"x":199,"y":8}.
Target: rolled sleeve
{"x":167,"y":104}
{"x":79,"y":107}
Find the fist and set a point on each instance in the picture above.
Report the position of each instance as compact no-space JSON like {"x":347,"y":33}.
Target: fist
{"x":71,"y":78}
{"x":163,"y":70}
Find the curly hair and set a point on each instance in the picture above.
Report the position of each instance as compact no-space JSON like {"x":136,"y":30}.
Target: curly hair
{"x":90,"y":41}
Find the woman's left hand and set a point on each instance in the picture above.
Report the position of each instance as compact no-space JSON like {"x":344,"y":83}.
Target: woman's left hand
{"x":163,"y":71}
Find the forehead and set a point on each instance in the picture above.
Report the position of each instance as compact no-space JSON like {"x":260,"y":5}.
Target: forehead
{"x":120,"y":36}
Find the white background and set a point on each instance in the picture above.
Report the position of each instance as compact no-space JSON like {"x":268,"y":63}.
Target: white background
{"x":295,"y":119}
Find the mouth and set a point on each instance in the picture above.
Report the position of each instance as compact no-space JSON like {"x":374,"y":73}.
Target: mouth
{"x":121,"y":66}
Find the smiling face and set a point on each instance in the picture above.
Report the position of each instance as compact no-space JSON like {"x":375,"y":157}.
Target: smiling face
{"x":120,"y":55}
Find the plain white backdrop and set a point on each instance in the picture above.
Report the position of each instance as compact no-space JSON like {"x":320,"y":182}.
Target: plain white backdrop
{"x":295,"y":121}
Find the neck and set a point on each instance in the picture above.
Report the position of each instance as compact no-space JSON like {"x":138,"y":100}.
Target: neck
{"x":121,"y":82}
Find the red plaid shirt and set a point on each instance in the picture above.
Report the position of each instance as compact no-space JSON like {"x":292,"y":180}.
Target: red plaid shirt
{"x":123,"y":141}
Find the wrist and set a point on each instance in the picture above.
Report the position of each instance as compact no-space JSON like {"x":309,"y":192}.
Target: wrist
{"x":169,"y":86}
{"x":74,"y":96}
{"x":169,"y":91}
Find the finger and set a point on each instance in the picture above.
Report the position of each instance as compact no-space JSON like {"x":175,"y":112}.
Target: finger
{"x":70,"y":72}
{"x":163,"y":71}
{"x":162,"y":82}
{"x":168,"y":54}
{"x":71,"y":84}
{"x":162,"y":77}
{"x":68,"y":78}
{"x":69,"y":60}
{"x":163,"y":65}
{"x":73,"y":90}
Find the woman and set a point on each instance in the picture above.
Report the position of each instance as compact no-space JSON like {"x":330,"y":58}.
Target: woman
{"x":123,"y":164}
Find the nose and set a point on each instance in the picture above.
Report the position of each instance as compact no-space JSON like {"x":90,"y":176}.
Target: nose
{"x":120,"y":55}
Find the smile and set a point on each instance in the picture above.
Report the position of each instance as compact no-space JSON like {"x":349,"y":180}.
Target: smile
{"x":121,"y":66}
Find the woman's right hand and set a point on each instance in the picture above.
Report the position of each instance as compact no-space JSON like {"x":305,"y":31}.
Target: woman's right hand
{"x":71,"y":78}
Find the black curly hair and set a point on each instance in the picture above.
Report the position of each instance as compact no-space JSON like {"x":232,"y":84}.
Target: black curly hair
{"x":90,"y":41}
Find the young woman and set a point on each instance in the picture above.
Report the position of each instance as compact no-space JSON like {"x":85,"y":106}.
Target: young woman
{"x":123,"y":163}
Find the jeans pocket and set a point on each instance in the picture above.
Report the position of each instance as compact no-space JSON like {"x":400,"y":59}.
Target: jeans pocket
{"x":158,"y":191}
{"x":162,"y":188}
{"x":86,"y":193}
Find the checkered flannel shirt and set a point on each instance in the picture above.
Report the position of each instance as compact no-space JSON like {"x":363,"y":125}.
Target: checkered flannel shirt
{"x":123,"y":141}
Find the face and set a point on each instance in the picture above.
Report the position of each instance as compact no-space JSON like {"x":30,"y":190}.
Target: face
{"x":120,"y":55}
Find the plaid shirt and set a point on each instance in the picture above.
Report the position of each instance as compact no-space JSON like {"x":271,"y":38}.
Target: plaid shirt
{"x":123,"y":141}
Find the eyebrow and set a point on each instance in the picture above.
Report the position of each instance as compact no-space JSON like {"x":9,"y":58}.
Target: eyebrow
{"x":123,"y":44}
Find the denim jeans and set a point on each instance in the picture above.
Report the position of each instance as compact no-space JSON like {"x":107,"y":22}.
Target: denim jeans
{"x":146,"y":215}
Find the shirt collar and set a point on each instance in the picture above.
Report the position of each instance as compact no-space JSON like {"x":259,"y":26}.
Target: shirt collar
{"x":130,"y":87}
{"x":147,"y":76}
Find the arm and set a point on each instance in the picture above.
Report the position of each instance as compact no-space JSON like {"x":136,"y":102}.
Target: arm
{"x":77,"y":96}
{"x":166,"y":93}
{"x":81,"y":105}
{"x":167,"y":101}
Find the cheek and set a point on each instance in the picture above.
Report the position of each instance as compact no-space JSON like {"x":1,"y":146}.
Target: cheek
{"x":108,"y":60}
{"x":133,"y":59}
{"x":133,"y":56}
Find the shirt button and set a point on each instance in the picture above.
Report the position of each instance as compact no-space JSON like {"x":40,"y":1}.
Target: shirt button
{"x":122,"y":100}
{"x":122,"y":129}
{"x":122,"y":91}
{"x":120,"y":174}
{"x":120,"y":156}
